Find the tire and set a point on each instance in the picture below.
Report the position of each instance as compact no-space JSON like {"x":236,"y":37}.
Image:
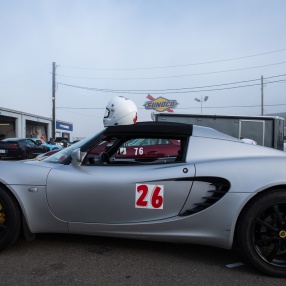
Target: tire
{"x":27,"y":154}
{"x":10,"y":219}
{"x":261,"y":233}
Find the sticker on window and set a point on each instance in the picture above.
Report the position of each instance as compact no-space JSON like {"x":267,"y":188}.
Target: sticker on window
{"x":149,"y":196}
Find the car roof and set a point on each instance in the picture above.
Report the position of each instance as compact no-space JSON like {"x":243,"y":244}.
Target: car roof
{"x":17,"y":139}
{"x":152,"y":127}
{"x":12,"y":139}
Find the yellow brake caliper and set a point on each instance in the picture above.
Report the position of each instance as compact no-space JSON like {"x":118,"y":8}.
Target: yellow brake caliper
{"x":282,"y":233}
{"x":2,"y":215}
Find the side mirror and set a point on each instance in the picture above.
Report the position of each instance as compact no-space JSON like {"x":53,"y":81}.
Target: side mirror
{"x":77,"y":156}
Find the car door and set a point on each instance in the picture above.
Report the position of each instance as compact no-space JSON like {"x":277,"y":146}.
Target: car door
{"x":118,"y":194}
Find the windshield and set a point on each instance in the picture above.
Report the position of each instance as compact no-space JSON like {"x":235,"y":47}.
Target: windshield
{"x":62,"y":155}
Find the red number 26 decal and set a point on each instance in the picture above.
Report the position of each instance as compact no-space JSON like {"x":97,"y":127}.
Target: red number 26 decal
{"x":149,"y":196}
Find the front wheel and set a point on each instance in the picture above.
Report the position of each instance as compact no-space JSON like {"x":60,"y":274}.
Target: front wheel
{"x":10,"y":219}
{"x":26,"y":154}
{"x":261,"y":233}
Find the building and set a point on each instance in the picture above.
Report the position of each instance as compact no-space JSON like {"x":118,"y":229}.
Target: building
{"x":24,"y":125}
{"x":283,"y":115}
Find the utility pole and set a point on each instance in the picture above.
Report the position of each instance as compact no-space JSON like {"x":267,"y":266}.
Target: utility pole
{"x":262,"y":105}
{"x":54,"y":101}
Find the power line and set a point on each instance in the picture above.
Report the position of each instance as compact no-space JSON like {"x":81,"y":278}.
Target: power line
{"x":183,"y":88}
{"x":172,"y":76}
{"x":162,"y":90}
{"x":175,"y":89}
{"x":166,"y":92}
{"x":177,"y":108}
{"x":171,"y":91}
{"x":175,"y":66}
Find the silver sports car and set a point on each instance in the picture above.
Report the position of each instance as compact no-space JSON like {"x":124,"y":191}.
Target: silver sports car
{"x":215,"y":191}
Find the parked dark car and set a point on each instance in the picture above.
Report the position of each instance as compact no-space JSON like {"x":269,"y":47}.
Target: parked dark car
{"x":62,"y":141}
{"x":23,"y":148}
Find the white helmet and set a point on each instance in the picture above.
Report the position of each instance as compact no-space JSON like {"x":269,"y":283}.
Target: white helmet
{"x":120,"y":111}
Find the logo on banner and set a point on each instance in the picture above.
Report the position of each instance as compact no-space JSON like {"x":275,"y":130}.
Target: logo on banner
{"x":160,"y":104}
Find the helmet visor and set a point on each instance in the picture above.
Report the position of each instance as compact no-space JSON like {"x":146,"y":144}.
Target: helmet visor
{"x":107,"y":112}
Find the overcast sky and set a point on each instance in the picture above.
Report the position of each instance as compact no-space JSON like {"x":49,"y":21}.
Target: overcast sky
{"x":177,"y":49}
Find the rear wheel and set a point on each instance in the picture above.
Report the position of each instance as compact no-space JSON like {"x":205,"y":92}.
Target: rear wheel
{"x":10,"y":219}
{"x":262,"y":233}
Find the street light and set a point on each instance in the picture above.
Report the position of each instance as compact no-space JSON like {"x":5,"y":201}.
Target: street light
{"x":201,"y":101}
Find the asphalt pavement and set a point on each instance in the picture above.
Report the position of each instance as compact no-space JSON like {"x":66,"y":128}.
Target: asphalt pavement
{"x":54,"y":259}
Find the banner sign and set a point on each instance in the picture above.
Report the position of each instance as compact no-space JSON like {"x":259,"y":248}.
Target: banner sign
{"x":160,"y":104}
{"x":64,"y":126}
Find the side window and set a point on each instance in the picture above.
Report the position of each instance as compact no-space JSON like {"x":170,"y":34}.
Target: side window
{"x":120,"y":151}
{"x":149,"y":149}
{"x":164,"y":141}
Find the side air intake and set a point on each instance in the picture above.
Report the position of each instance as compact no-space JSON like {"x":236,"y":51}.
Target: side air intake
{"x":205,"y":192}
